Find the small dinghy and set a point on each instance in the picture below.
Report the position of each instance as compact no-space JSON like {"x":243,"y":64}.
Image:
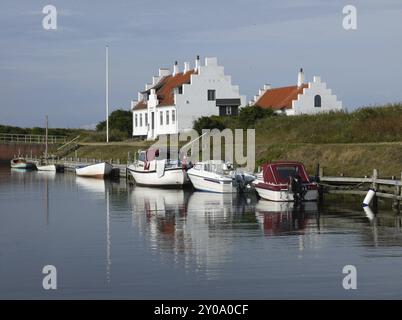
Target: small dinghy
{"x":99,"y":170}
{"x":21,"y":163}
{"x":49,"y":167}
{"x":285,"y":181}
{"x":218,"y":176}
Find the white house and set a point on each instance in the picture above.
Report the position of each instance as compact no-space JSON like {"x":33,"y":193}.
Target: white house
{"x":173,"y":101}
{"x":303,"y":98}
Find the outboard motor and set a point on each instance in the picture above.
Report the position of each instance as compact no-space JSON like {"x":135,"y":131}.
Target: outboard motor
{"x":298,"y":189}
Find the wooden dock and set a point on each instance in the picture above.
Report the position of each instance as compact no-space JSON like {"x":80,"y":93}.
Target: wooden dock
{"x":69,"y":164}
{"x":390,"y":188}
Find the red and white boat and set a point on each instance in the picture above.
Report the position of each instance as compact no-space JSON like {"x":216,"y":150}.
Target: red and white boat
{"x":285,"y":181}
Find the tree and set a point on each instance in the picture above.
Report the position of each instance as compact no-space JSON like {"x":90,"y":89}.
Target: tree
{"x":120,"y":120}
{"x":212,"y":122}
{"x":250,"y":114}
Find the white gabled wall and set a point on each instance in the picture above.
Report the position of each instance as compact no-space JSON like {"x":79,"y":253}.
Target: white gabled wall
{"x":305,"y":102}
{"x":193,"y":102}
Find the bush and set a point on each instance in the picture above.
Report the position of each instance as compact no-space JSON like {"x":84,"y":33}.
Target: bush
{"x":212,"y":122}
{"x":119,"y":120}
{"x":249,"y":115}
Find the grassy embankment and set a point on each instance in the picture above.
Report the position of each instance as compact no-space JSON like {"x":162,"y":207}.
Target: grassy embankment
{"x":349,"y":143}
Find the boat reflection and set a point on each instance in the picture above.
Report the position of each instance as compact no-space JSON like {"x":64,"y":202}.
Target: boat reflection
{"x":91,"y":185}
{"x":284,"y":218}
{"x":197,"y":226}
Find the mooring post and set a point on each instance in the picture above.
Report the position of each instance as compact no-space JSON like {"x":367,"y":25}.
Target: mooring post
{"x":320,"y":172}
{"x":375,"y":188}
{"x":374,"y":179}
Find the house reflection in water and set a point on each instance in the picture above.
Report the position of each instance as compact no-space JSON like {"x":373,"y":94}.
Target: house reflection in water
{"x":197,"y":227}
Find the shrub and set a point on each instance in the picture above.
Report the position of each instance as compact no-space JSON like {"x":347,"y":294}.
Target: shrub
{"x":212,"y":122}
{"x":249,"y":115}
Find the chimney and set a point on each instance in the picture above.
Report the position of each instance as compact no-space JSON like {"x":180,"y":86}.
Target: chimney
{"x":140,"y":96}
{"x":186,"y":67}
{"x":300,"y":78}
{"x":175,"y":68}
{"x":197,"y":63}
{"x":267,"y":87}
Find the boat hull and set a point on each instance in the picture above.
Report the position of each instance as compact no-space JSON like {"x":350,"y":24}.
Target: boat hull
{"x":99,"y":170}
{"x":204,"y":183}
{"x":284,"y":195}
{"x":174,"y":177}
{"x":50,"y":167}
{"x":21,"y":164}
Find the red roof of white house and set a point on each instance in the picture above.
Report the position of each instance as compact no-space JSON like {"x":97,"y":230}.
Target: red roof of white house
{"x":164,"y":88}
{"x":280,"y":98}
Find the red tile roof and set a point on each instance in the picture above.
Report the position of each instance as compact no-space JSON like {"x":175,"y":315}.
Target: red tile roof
{"x":165,"y":93}
{"x":140,"y":105}
{"x":164,"y":89}
{"x":280,"y":98}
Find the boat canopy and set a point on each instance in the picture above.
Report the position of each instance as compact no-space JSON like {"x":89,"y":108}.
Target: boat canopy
{"x":281,"y":172}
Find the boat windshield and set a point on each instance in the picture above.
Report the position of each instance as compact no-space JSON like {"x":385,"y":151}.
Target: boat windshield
{"x":141,"y":156}
{"x":214,"y":167}
{"x":286,"y":172}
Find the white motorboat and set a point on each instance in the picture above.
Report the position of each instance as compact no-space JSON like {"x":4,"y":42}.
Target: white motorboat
{"x":157,"y":170}
{"x":21,"y":163}
{"x":218,"y":176}
{"x":285,"y":181}
{"x":99,"y":170}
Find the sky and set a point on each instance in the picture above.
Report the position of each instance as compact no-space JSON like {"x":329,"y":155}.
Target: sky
{"x":61,"y":72}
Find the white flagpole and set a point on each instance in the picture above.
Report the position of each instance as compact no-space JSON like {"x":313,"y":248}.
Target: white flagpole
{"x":107,"y":94}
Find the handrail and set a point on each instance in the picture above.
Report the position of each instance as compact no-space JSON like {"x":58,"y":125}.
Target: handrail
{"x":66,"y":144}
{"x":31,"y":138}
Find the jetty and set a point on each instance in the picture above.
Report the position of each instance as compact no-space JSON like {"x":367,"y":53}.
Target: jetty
{"x":384,"y":187}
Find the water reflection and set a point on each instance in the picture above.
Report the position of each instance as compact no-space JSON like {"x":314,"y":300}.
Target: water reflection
{"x":195,"y":226}
{"x":284,"y":218}
{"x":91,"y":184}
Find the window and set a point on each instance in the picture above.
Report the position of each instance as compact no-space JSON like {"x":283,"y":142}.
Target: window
{"x":228,"y":111}
{"x":173,"y":116}
{"x":317,"y":101}
{"x":211,"y":95}
{"x":146,"y":119}
{"x":136,"y":121}
{"x":140,"y":119}
{"x":161,"y":117}
{"x":167,"y":117}
{"x":180,"y":90}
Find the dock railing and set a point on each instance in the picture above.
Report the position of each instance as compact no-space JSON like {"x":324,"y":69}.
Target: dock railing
{"x":385,"y":187}
{"x":31,"y":138}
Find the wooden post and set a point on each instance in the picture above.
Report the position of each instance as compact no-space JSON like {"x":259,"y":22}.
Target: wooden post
{"x":320,"y":172}
{"x":374,"y":178}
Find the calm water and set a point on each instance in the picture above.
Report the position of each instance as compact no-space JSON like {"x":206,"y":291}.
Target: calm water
{"x":111,"y":241}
